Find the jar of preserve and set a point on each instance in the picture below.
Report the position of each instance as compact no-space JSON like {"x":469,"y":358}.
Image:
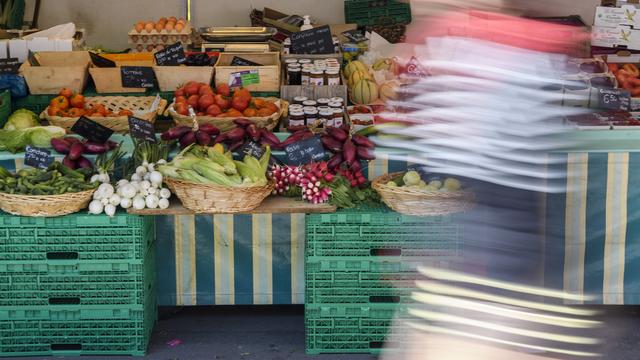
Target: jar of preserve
{"x":326,"y":117}
{"x":293,"y":107}
{"x":311,"y":115}
{"x":309,"y":103}
{"x":335,"y":104}
{"x":338,"y":117}
{"x":323,"y":102}
{"x":306,"y":74}
{"x":294,"y":74}
{"x":300,"y":99}
{"x":296,"y":118}
{"x":316,"y":77}
{"x":333,"y":77}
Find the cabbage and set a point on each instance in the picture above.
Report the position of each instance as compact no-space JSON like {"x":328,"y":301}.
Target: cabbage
{"x":40,"y":136}
{"x":22,"y":119}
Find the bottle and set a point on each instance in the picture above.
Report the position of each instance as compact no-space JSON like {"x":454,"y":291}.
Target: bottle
{"x":307,"y":24}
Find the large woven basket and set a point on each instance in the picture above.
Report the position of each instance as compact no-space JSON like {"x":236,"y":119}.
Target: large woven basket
{"x":226,"y":123}
{"x":415,"y":201}
{"x":119,"y":124}
{"x":45,"y":205}
{"x":217,"y":199}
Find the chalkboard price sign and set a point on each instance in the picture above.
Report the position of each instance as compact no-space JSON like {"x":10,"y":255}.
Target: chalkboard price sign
{"x":314,"y":41}
{"x":91,"y":130}
{"x":614,"y":99}
{"x":172,"y":55}
{"x":251,"y":148}
{"x":9,"y":66}
{"x":305,"y":151}
{"x":142,"y":129}
{"x":137,"y":76}
{"x":238,"y":61}
{"x":37,"y":157}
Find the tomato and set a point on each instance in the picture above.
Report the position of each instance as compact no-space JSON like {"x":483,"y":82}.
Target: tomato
{"x":75,"y":112}
{"x":233,"y":113}
{"x":258,"y":103}
{"x":181,"y":108}
{"x":191,"y":90}
{"x":271,"y":106}
{"x":239,"y":104}
{"x":60,"y":102}
{"x":77,"y":101}
{"x":179,"y":93}
{"x":193,"y":101}
{"x":181,"y":99}
{"x":223,"y":89}
{"x":214,"y":110}
{"x":53,"y":110}
{"x":264,"y":112}
{"x":205,"y":89}
{"x":242,"y":93}
{"x":250,"y":112}
{"x":66,"y":92}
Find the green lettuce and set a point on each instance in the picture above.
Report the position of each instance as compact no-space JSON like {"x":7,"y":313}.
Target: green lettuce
{"x":22,"y":119}
{"x":40,"y":136}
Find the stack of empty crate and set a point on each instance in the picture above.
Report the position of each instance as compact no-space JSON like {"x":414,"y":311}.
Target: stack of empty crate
{"x":360,"y":272}
{"x":76,"y":285}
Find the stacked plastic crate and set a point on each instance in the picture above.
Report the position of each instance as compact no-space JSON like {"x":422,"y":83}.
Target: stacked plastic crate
{"x":386,"y":17}
{"x":76,"y":285}
{"x":360,"y":271}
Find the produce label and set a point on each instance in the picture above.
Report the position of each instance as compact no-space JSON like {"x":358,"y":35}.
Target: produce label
{"x":244,"y":78}
{"x":142,"y":129}
{"x":100,"y":61}
{"x":137,"y":76}
{"x":172,"y":55}
{"x":614,"y":99}
{"x":313,"y":41}
{"x":37,"y":157}
{"x":9,"y":66}
{"x":305,"y":151}
{"x":91,"y":130}
{"x":254,"y":149}
{"x":238,"y":61}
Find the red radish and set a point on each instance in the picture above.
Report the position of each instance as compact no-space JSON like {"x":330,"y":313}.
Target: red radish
{"x":271,"y":137}
{"x":349,"y":152}
{"x":363,"y":141}
{"x":76,"y":150}
{"x":335,"y":161}
{"x":365,"y":153}
{"x":331,"y":144}
{"x":338,"y":134}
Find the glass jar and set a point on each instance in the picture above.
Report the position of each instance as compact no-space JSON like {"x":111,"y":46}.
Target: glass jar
{"x":293,"y":107}
{"x":306,"y":74}
{"x":333,"y":77}
{"x":294,"y":74}
{"x":296,"y":118}
{"x":323,"y":102}
{"x":309,"y":103}
{"x":316,"y":77}
{"x":311,"y":115}
{"x":300,"y":100}
{"x":338,"y":117}
{"x":326,"y":117}
{"x":335,"y":104}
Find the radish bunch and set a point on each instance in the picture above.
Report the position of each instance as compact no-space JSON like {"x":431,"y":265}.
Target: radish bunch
{"x":312,"y":181}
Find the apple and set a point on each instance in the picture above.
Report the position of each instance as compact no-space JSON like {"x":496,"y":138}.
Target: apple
{"x":205,"y":101}
{"x":223,"y":89}
{"x":239,"y":104}
{"x":222,"y":102}
{"x":193,"y":101}
{"x":214,"y":110}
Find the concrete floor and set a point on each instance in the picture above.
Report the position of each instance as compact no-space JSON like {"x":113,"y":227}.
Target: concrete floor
{"x":277,"y":333}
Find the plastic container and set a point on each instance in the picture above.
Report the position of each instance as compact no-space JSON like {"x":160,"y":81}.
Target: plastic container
{"x":348,"y":336}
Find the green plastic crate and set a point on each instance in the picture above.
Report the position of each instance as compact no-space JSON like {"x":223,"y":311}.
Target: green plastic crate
{"x":369,"y":311}
{"x":381,"y":235}
{"x":359,"y":288}
{"x":70,"y":337}
{"x":35,"y":103}
{"x":344,"y":336}
{"x":74,"y":243}
{"x":377,"y":12}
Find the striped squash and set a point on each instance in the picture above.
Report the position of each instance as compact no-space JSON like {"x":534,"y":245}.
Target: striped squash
{"x":364,"y":92}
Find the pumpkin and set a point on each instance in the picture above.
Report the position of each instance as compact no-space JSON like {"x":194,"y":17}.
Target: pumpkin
{"x":364,"y":92}
{"x":354,"y":66}
{"x":357,"y":76}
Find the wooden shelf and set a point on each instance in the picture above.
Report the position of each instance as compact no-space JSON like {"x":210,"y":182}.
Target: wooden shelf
{"x":271,"y":205}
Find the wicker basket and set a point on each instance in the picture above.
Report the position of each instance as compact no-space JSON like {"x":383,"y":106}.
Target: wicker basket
{"x":217,"y":199}
{"x":119,"y":124}
{"x":226,"y":123}
{"x":45,"y":205}
{"x":414,"y":201}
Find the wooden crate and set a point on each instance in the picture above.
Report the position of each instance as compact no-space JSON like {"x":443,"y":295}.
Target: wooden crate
{"x":172,"y":77}
{"x":57,"y":70}
{"x":109,"y":80}
{"x":269,"y":72}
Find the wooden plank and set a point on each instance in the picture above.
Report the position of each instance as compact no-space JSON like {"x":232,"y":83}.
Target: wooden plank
{"x":272,"y":205}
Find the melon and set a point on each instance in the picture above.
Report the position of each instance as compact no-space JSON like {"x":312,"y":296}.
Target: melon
{"x":389,"y":90}
{"x":357,"y":76}
{"x":364,"y":92}
{"x":354,"y":66}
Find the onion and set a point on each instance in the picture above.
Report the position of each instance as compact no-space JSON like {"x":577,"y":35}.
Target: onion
{"x":165,"y":193}
{"x":155,"y":177}
{"x":95,"y":207}
{"x":138,"y":203}
{"x":106,"y":190}
{"x":163,"y":203}
{"x":126,"y":203}
{"x":110,"y":210}
{"x":114,"y":200}
{"x":128,"y":191}
{"x":152,"y":201}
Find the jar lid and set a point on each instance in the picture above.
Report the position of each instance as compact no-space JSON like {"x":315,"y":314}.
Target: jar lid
{"x":310,"y":111}
{"x":323,"y":100}
{"x":338,"y":110}
{"x":331,"y":71}
{"x":335,"y":104}
{"x":309,"y":107}
{"x":326,"y":112}
{"x":296,"y":112}
{"x":304,"y":61}
{"x":317,"y":71}
{"x":336,"y":99}
{"x":300,"y":98}
{"x":309,"y":103}
{"x":323,"y":108}
{"x":295,"y":106}
{"x":294,"y":69}
{"x":291,"y":61}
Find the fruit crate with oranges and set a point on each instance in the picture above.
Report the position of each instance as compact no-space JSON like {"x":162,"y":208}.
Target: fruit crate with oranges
{"x":151,"y":36}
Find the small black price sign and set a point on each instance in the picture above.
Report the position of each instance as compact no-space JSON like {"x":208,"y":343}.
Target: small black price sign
{"x":313,"y":41}
{"x":101,"y":61}
{"x":305,"y":151}
{"x":137,"y":76}
{"x":9,"y":66}
{"x":172,"y":55}
{"x":238,"y":61}
{"x":251,"y":148}
{"x":614,"y":99}
{"x":91,"y":130}
{"x":142,"y":129}
{"x":37,"y":157}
